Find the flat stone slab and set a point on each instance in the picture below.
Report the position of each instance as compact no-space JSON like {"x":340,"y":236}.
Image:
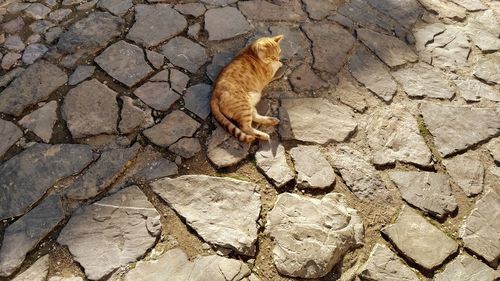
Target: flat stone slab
{"x":299,"y":120}
{"x":175,"y":265}
{"x":36,"y":272}
{"x":423,"y":80}
{"x":173,"y":127}
{"x":469,"y":177}
{"x":474,"y":90}
{"x":10,"y":135}
{"x":383,"y":264}
{"x":28,"y":175}
{"x":372,"y":73}
{"x":319,"y":10}
{"x":419,"y":240}
{"x":480,"y":229}
{"x":91,"y":33}
{"x":224,"y":23}
{"x":456,"y":128}
{"x":219,"y":60}
{"x":271,"y":160}
{"x":361,"y":177}
{"x":352,"y":95}
{"x":14,"y":43}
{"x":451,"y":49}
{"x":465,"y":268}
{"x":260,"y":10}
{"x":494,"y":148}
{"x":156,"y":59}
{"x":445,"y":9}
{"x":186,"y":147}
{"x":41,"y":121}
{"x":185,"y":53}
{"x":116,"y":7}
{"x":178,"y":80}
{"x":157,"y":95}
{"x":427,"y":191}
{"x":312,"y":235}
{"x":393,"y":136}
{"x":313,"y":170}
{"x":124,"y":62}
{"x":133,"y":117}
{"x":102,"y":173}
{"x":155,"y":24}
{"x":33,"y":85}
{"x":296,"y":44}
{"x":90,"y":109}
{"x":233,"y":205}
{"x":224,"y":150}
{"x":123,"y":226}
{"x":191,"y":9}
{"x":24,"y":234}
{"x":488,"y":69}
{"x":33,"y":52}
{"x":82,"y":72}
{"x":331,"y":43}
{"x":197,"y":99}
{"x":303,"y":78}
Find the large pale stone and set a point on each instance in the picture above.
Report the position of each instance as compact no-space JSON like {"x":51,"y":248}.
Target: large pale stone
{"x":225,"y":23}
{"x":474,"y":90}
{"x":185,"y":53}
{"x":384,"y":265}
{"x":224,"y":150}
{"x":271,"y":160}
{"x":423,"y":80}
{"x":173,"y":127}
{"x":158,"y":95}
{"x":465,"y":268}
{"x":260,"y":10}
{"x":313,"y":170}
{"x":488,"y":69}
{"x":470,"y":176}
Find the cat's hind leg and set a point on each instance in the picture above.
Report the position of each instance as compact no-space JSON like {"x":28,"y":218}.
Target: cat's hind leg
{"x":264,"y":120}
{"x":246,"y":127}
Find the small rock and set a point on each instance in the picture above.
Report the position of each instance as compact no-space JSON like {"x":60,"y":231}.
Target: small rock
{"x":352,"y":95}
{"x":15,"y":8}
{"x":488,"y":69}
{"x":133,"y":117}
{"x":471,"y":5}
{"x":224,"y":150}
{"x":81,"y":73}
{"x":383,"y":264}
{"x":9,"y":60}
{"x":445,"y":9}
{"x":37,"y":11}
{"x":185,"y":53}
{"x":186,"y":147}
{"x":10,"y":134}
{"x":465,"y":268}
{"x":474,"y":90}
{"x":451,"y":49}
{"x":41,"y":121}
{"x":41,"y":26}
{"x":34,"y":52}
{"x":157,"y":169}
{"x":173,"y":127}
{"x":36,"y":272}
{"x":9,"y":76}
{"x":178,"y":80}
{"x":14,"y":43}
{"x":271,"y":160}
{"x":191,"y":9}
{"x":494,"y":148}
{"x":303,"y":78}
{"x":59,"y":15}
{"x":313,"y":170}
{"x":158,"y":95}
{"x":34,"y":38}
{"x":296,"y":43}
{"x":13,"y":26}
{"x":423,"y":80}
{"x":225,"y":23}
{"x":194,"y":30}
{"x":468,"y":177}
{"x":156,"y":59}
{"x":319,"y":9}
{"x":197,"y":99}
{"x":52,"y":34}
{"x":162,"y":76}
{"x":116,"y":7}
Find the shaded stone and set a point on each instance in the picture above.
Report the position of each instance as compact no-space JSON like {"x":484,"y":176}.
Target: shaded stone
{"x":331,"y":43}
{"x":474,"y":90}
{"x":233,"y":205}
{"x":423,"y":80}
{"x":37,"y":11}
{"x":488,"y":69}
{"x":28,"y":175}
{"x":450,"y":49}
{"x":34,"y":52}
{"x":480,"y":229}
{"x":359,"y":176}
{"x":186,"y":147}
{"x":352,"y":95}
{"x":24,"y":234}
{"x":197,"y":99}
{"x":156,"y":169}
{"x":464,"y":268}
{"x":156,"y":59}
{"x":178,"y":80}
{"x":9,"y":76}
{"x":313,"y":170}
{"x":14,"y":43}
{"x":260,"y":10}
{"x":133,"y":117}
{"x":219,"y":61}
{"x":41,"y":121}
{"x":405,"y":13}
{"x":296,"y":43}
{"x":271,"y":160}
{"x":430,"y":192}
{"x":456,"y":128}
{"x":158,"y":95}
{"x":124,"y":62}
{"x":416,"y":238}
{"x":116,"y":7}
{"x":10,"y":134}
{"x":393,"y":135}
{"x":90,"y":109}
{"x":155,"y":24}
{"x":102,"y":173}
{"x":13,"y":26}
{"x":35,"y":84}
{"x":91,"y":33}
{"x":37,"y":272}
{"x":52,"y":34}
{"x":173,"y":127}
{"x":319,"y":9}
{"x":303,"y":78}
{"x":372,"y":73}
{"x":224,"y":150}
{"x":312,"y":235}
{"x":468,"y":177}
{"x":383,"y":264}
{"x":225,"y":23}
{"x":299,"y":120}
{"x":185,"y":53}
{"x":191,"y":9}
{"x":9,"y":60}
{"x":82,"y":72}
{"x":123,"y":226}
{"x":60,"y":14}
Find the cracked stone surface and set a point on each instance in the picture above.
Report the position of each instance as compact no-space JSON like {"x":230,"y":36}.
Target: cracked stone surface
{"x":37,"y":272}
{"x":422,"y":80}
{"x":383,"y":264}
{"x":157,"y":95}
{"x":271,"y":160}
{"x":303,"y":78}
{"x":474,"y":90}
{"x":465,"y":267}
{"x":185,"y":53}
{"x":313,"y":170}
{"x":10,"y":134}
{"x":197,"y":99}
{"x":41,"y":121}
{"x":469,"y":177}
{"x":173,"y":127}
{"x":134,"y":117}
{"x":225,"y":23}
{"x":223,"y":150}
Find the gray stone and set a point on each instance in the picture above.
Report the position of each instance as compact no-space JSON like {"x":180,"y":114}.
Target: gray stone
{"x":156,"y":59}
{"x":102,"y":173}
{"x":158,"y":95}
{"x":303,"y":78}
{"x":155,"y":24}
{"x":271,"y":160}
{"x":219,"y":61}
{"x":456,"y":128}
{"x":9,"y":76}
{"x":60,"y":14}
{"x":87,"y":5}
{"x":450,"y":49}
{"x":191,"y":9}
{"x":233,"y":205}
{"x":41,"y":26}
{"x":33,"y":38}
{"x":156,"y":169}
{"x":27,"y":176}
{"x":430,"y":192}
{"x":35,"y":84}
{"x":372,"y":73}
{"x":424,"y":238}
{"x":178,"y":80}
{"x":185,"y":53}
{"x":162,"y":76}
{"x":423,"y":80}
{"x":9,"y":60}
{"x":116,"y":7}
{"x":122,"y":226}
{"x":176,"y":266}
{"x":37,"y":11}
{"x":482,"y":37}
{"x":219,"y":2}
{"x":173,"y":127}
{"x":313,"y":170}
{"x":393,"y":135}
{"x":383,"y":264}
{"x":225,"y":23}
{"x":91,"y":33}
{"x":124,"y":62}
{"x":90,"y":109}
{"x":319,"y":9}
{"x":474,"y":90}
{"x":389,"y":49}
{"x":224,"y":150}
{"x":465,"y":268}
{"x":186,"y":147}
{"x":82,"y":72}
{"x":10,"y":134}
{"x":296,"y":43}
{"x":352,"y":95}
{"x":425,"y":34}
{"x":14,"y":43}
{"x":331,"y":44}
{"x":488,"y":69}
{"x":59,"y":278}
{"x":36,"y":272}
{"x":445,"y":9}
{"x":13,"y":26}
{"x":72,"y":2}
{"x":41,"y":121}
{"x":197,"y":100}
{"x":494,"y":148}
{"x":260,"y":10}
{"x":24,"y":234}
{"x":194,"y":30}
{"x":312,"y":235}
{"x":468,"y":177}
{"x":52,"y":34}
{"x":299,"y":120}
{"x":480,"y":229}
{"x":471,"y":5}
{"x":34,"y":52}
{"x":133,"y":117}
{"x":15,"y":8}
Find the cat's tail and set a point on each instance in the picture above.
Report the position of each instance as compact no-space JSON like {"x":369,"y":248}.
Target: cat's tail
{"x":227,"y":124}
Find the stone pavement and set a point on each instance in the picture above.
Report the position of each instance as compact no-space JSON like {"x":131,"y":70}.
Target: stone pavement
{"x":385,"y":166}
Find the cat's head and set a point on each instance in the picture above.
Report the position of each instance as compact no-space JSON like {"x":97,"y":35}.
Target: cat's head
{"x":268,"y":49}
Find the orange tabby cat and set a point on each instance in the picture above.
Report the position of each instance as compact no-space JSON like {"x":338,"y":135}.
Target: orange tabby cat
{"x":239,"y":88}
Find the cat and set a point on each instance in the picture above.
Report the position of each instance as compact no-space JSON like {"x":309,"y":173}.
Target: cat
{"x":238,"y":89}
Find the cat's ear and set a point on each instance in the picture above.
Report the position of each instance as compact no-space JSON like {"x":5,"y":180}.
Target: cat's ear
{"x":260,"y":50}
{"x":278,"y":38}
